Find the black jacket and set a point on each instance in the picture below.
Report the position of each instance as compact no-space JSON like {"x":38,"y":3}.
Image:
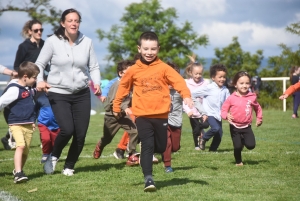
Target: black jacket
{"x":27,"y":51}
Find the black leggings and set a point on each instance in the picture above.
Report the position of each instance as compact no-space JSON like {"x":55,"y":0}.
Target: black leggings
{"x":153,"y":136}
{"x":72,"y":113}
{"x":197,"y":125}
{"x":241,"y":137}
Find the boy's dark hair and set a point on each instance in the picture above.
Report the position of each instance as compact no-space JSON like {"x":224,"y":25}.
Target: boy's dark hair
{"x":148,"y":35}
{"x":123,"y":65}
{"x":28,"y":68}
{"x":238,"y":75}
{"x":174,"y":66}
{"x":215,"y":68}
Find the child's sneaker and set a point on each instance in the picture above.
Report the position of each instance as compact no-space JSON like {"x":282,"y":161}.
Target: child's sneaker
{"x":14,"y":172}
{"x":68,"y":172}
{"x":197,"y":148}
{"x":168,"y":169}
{"x":119,"y":153}
{"x":44,"y":158}
{"x":97,"y":152}
{"x":4,"y":141}
{"x":154,"y":160}
{"x":149,"y":185}
{"x":202,"y":144}
{"x":50,"y":164}
{"x":20,"y":177}
{"x":133,"y":159}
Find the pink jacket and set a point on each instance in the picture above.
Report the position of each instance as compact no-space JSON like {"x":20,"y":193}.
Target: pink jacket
{"x":192,"y":85}
{"x":240,"y":107}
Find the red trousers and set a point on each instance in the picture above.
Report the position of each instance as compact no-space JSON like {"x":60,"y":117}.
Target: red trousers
{"x":173,"y":144}
{"x":47,"y":138}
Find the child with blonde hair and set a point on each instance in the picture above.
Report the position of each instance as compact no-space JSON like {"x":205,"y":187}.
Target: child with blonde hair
{"x":197,"y":116}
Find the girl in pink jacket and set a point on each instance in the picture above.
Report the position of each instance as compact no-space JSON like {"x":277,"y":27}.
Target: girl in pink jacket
{"x":237,"y":109}
{"x":197,"y":115}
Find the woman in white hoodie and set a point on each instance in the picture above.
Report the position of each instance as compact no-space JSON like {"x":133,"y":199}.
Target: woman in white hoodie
{"x":71,"y":56}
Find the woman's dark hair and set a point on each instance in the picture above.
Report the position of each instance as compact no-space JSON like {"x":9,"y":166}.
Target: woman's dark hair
{"x":60,"y":32}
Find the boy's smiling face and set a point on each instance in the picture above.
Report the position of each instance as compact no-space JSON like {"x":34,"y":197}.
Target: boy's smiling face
{"x":148,"y":50}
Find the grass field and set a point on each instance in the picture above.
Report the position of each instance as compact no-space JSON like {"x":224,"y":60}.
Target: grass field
{"x":271,"y":170}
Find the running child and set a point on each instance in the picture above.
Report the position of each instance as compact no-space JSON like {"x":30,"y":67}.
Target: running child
{"x":150,"y":79}
{"x":237,"y":109}
{"x":214,"y":95}
{"x":113,"y":124}
{"x":197,"y":118}
{"x":19,"y":112}
{"x":174,"y":125}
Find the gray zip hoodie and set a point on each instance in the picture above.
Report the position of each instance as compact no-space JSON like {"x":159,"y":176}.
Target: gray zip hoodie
{"x":69,"y":64}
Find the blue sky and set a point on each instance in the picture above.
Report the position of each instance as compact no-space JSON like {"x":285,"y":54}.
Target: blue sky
{"x":259,"y":24}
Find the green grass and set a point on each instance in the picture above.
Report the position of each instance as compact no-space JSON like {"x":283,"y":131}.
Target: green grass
{"x":271,"y":170}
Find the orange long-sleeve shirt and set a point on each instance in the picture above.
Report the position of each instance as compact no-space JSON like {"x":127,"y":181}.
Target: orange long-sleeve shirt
{"x":150,"y":83}
{"x":292,"y":89}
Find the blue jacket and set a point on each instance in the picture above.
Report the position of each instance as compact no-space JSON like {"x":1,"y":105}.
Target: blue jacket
{"x":46,"y":116}
{"x":22,"y":110}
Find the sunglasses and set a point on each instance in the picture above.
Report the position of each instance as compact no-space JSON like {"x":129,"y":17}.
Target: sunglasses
{"x":37,"y":30}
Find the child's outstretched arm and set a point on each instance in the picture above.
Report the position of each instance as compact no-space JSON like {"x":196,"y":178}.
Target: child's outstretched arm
{"x":9,"y":96}
{"x":225,"y":114}
{"x":292,"y":89}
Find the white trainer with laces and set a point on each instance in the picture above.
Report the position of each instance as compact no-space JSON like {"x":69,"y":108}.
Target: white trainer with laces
{"x":68,"y":172}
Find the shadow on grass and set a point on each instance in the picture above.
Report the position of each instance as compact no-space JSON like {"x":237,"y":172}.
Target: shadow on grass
{"x":103,"y":167}
{"x":250,"y":162}
{"x":185,"y":168}
{"x":176,"y":182}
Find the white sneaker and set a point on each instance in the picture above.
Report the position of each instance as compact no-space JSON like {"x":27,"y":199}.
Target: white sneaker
{"x":50,"y":164}
{"x":68,"y":172}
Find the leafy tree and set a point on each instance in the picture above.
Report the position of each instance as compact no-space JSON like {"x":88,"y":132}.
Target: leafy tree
{"x":235,"y":59}
{"x":279,"y":66}
{"x":176,"y":42}
{"x":36,"y":9}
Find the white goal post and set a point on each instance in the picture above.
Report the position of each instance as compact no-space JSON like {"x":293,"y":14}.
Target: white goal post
{"x":283,"y":79}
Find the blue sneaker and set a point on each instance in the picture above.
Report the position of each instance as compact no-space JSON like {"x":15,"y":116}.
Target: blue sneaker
{"x":168,"y":169}
{"x":44,"y":158}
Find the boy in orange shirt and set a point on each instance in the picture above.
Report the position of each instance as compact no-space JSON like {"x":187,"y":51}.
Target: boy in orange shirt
{"x":150,"y":79}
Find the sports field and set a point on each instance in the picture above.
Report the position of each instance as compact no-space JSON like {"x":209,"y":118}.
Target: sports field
{"x":271,"y":171}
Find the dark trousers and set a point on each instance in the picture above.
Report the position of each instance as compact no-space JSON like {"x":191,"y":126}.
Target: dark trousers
{"x":214,"y":132}
{"x":173,"y":144}
{"x":197,"y":125}
{"x":72,"y":113}
{"x":296,"y":102}
{"x":153,"y":136}
{"x":112,"y":126}
{"x":241,"y":137}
